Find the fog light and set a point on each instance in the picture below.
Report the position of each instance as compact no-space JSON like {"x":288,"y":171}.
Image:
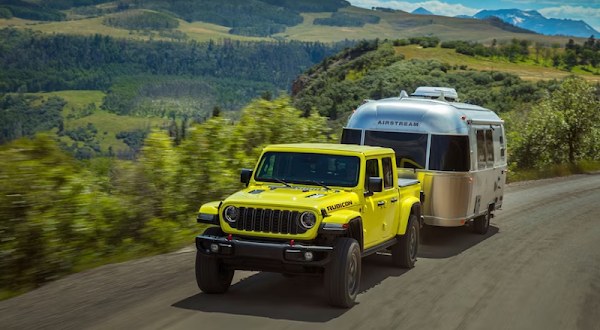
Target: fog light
{"x":308,"y":256}
{"x":214,"y":248}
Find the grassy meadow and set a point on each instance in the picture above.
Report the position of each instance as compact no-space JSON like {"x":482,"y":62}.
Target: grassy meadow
{"x":392,"y":26}
{"x":108,"y":124}
{"x":528,"y":69}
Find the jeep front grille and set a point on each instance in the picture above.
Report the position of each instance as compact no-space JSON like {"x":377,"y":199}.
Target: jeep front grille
{"x":268,"y":221}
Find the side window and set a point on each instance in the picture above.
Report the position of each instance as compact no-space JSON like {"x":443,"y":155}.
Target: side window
{"x":502,"y":148}
{"x":489,"y":146}
{"x":372,"y":169}
{"x":481,"y":154}
{"x":388,"y":173}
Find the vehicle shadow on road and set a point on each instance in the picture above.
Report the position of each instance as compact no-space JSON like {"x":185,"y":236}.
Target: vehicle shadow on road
{"x":446,"y":242}
{"x":301,"y":298}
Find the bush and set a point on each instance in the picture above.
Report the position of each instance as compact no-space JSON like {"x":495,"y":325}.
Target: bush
{"x":58,"y":215}
{"x":347,"y":20}
{"x":140,"y":20}
{"x":401,"y":42}
{"x":5,"y":13}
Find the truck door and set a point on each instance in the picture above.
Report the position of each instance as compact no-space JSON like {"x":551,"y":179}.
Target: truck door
{"x":375,"y":207}
{"x":390,"y":196}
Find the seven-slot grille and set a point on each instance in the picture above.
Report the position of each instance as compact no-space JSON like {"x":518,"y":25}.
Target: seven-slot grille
{"x":268,"y":221}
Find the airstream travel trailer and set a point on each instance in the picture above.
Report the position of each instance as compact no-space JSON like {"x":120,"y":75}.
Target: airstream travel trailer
{"x":456,"y":150}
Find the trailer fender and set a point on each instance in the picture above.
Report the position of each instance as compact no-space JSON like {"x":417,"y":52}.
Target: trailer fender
{"x":410,"y":205}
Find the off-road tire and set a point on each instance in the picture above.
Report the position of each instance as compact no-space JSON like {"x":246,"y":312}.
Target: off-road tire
{"x":481,"y":224}
{"x":342,"y":275}
{"x":404,"y":253}
{"x":212,"y":275}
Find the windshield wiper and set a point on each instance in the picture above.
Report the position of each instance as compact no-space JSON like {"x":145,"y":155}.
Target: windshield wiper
{"x":317,"y":183}
{"x":282,"y":182}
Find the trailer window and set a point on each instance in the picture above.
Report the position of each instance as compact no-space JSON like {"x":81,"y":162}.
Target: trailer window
{"x":388,"y":173}
{"x":410,"y":148}
{"x":351,"y":136}
{"x":502,"y":148}
{"x":489,"y":146}
{"x":450,"y":153}
{"x":481,"y":155}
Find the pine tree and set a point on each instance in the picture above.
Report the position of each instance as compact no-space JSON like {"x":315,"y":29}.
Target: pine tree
{"x":216,"y":111}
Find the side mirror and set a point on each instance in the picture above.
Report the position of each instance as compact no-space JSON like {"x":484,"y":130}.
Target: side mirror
{"x":375,"y":184}
{"x":245,"y":176}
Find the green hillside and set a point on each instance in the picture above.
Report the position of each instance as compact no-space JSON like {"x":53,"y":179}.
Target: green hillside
{"x":126,"y":66}
{"x":526,"y":68}
{"x":328,"y":20}
{"x":373,"y":70}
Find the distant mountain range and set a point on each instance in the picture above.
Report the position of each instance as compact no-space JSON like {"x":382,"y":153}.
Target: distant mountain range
{"x":421,"y":11}
{"x":534,"y":21}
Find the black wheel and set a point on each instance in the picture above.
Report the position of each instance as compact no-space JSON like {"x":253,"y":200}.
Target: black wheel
{"x":481,"y":224}
{"x":404,"y":253}
{"x":342,"y":275}
{"x":212,"y":275}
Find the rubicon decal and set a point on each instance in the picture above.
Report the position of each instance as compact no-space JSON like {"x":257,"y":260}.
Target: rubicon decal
{"x":339,"y":206}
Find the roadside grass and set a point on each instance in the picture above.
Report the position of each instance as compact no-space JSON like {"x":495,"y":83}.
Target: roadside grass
{"x":553,"y":171}
{"x":527,"y":69}
{"x":179,"y":239}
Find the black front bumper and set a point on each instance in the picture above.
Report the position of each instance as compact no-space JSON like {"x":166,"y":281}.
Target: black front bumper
{"x":246,"y":251}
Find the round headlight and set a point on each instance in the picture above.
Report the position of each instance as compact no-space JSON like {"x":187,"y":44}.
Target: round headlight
{"x":307,"y":220}
{"x":231,"y":213}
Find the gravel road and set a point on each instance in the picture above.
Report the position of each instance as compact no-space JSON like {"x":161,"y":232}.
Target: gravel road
{"x":537,"y":268}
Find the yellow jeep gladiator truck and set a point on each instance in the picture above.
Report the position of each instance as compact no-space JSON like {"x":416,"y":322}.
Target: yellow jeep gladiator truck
{"x":311,"y":209}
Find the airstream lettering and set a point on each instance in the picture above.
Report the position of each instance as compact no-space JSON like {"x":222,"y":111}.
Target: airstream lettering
{"x":456,"y":150}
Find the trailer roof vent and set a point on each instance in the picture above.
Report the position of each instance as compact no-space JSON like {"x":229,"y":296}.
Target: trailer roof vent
{"x":403,"y":94}
{"x":449,"y":94}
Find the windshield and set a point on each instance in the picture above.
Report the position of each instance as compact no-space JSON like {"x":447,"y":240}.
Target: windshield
{"x":410,"y":148}
{"x":293,"y":167}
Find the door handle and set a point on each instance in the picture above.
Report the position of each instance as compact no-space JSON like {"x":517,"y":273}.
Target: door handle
{"x":380,"y":203}
{"x":394,"y":200}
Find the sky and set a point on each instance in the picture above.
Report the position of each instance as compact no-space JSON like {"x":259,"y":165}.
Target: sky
{"x":586,"y":10}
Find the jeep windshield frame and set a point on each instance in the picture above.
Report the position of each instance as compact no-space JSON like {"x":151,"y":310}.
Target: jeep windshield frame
{"x":302,"y":167}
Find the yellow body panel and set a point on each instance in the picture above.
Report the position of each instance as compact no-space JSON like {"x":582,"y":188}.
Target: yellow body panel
{"x":210,"y":208}
{"x":381,"y":222}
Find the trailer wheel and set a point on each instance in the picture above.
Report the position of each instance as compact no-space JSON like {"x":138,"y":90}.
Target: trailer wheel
{"x":342,"y":275}
{"x":404,"y":253}
{"x":482,"y":223}
{"x":212,"y":276}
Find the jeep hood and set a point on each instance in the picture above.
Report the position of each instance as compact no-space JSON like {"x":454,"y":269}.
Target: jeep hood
{"x":295,"y":196}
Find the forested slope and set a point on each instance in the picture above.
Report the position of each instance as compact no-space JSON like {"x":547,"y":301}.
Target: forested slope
{"x":177,"y":81}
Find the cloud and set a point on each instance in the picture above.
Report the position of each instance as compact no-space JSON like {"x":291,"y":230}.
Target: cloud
{"x":436,"y":7}
{"x":573,"y":12}
{"x":558,"y":2}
